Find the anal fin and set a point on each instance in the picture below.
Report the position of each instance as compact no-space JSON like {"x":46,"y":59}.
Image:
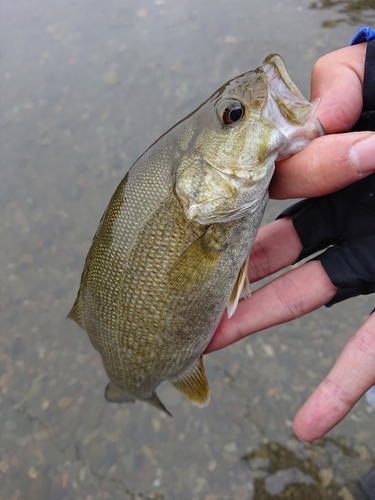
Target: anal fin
{"x":193,"y":384}
{"x":240,"y":290}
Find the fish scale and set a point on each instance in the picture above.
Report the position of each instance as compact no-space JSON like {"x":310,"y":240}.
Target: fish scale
{"x":171,"y":250}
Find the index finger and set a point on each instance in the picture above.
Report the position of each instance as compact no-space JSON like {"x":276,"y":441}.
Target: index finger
{"x":266,"y":257}
{"x":294,"y":294}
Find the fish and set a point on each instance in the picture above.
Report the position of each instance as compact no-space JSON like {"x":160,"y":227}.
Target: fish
{"x":171,"y":250}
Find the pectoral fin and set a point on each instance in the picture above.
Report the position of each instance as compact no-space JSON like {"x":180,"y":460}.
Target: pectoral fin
{"x":193,"y":384}
{"x":198,"y":262}
{"x":241,"y":289}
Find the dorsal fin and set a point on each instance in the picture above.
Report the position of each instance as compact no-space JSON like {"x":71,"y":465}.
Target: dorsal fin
{"x":76,"y":313}
{"x":241,"y":289}
{"x":193,"y":384}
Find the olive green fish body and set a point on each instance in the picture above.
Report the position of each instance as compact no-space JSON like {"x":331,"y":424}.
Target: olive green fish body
{"x":171,"y":250}
{"x":144,"y":316}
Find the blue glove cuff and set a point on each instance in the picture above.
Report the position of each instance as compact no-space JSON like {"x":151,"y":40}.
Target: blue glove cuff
{"x":364,"y":34}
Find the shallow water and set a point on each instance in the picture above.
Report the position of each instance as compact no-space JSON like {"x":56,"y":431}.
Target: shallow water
{"x":86,"y":87}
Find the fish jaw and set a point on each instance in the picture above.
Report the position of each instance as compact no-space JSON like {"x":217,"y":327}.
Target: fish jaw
{"x":288,"y":109}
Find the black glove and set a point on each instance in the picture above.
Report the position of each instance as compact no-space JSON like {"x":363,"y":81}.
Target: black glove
{"x":344,"y":221}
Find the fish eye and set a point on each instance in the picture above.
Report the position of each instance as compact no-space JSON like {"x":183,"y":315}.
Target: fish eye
{"x":233,"y":113}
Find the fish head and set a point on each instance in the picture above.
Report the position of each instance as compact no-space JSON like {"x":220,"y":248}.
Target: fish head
{"x":248,"y":124}
{"x":258,"y":115}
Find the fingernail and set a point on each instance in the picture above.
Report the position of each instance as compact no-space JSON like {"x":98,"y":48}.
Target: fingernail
{"x":362,"y":155}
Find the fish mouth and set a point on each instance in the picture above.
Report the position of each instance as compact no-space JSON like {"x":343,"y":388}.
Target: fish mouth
{"x":280,"y":72}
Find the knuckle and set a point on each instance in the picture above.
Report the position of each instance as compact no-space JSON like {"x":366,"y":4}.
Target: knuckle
{"x":363,"y":340}
{"x":335,"y":393}
{"x":293,"y":302}
{"x":319,"y":65}
{"x":259,"y":265}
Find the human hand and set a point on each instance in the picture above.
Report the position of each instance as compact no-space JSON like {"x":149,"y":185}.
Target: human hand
{"x":329,"y":163}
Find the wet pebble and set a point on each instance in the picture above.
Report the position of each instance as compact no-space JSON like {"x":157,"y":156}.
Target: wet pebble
{"x":90,"y":436}
{"x":64,"y":402}
{"x":156,"y":424}
{"x":326,"y":476}
{"x":269,"y":350}
{"x":9,"y":426}
{"x":122,"y":48}
{"x":276,"y":483}
{"x":141,"y":13}
{"x":345,"y":494}
{"x":32,"y":473}
{"x":111,"y":78}
{"x":212,"y":465}
{"x":4,"y":466}
{"x":259,"y":463}
{"x":230,"y":447}
{"x":241,"y":492}
{"x":39,"y":488}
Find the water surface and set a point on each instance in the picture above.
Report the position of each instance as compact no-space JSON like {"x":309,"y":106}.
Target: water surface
{"x":86,"y":87}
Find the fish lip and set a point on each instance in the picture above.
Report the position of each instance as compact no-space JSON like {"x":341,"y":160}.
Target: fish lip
{"x":280,"y":72}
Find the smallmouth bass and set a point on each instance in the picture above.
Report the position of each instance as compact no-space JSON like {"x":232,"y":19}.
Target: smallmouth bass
{"x":171,"y":251}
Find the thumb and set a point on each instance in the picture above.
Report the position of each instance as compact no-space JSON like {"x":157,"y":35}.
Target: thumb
{"x":327,"y":164}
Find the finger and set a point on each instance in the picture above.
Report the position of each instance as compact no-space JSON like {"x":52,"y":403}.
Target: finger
{"x":337,"y":80}
{"x":327,"y":164}
{"x":351,"y":376}
{"x":289,"y":296}
{"x":266,"y":257}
